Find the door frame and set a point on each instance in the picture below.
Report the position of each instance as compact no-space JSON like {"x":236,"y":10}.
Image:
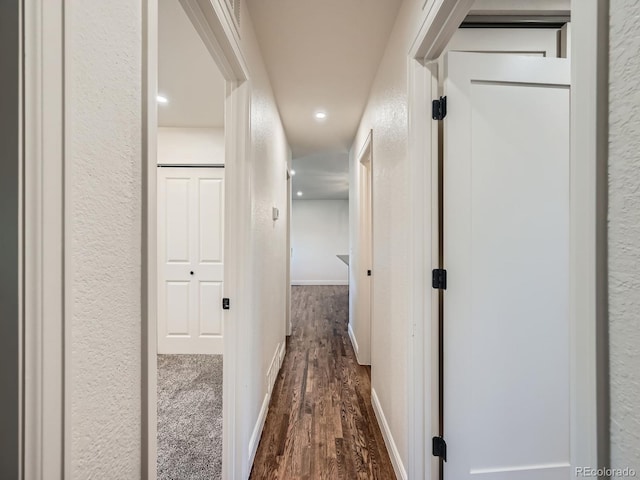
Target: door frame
{"x":589,"y":426}
{"x":216,"y":26}
{"x":288,"y":326}
{"x":360,"y":340}
{"x":45,"y":413}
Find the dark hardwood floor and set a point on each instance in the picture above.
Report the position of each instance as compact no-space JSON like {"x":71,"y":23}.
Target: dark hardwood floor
{"x":321,"y":424}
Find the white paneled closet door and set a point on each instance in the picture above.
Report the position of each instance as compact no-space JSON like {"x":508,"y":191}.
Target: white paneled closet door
{"x":506,"y":251}
{"x":190,"y":260}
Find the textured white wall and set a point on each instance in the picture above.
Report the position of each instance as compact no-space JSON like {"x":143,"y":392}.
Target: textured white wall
{"x":103,"y":234}
{"x":103,"y":215}
{"x":387,"y":114}
{"x":270,"y":156}
{"x":319,"y":232}
{"x":190,"y":146}
{"x":624,"y":233}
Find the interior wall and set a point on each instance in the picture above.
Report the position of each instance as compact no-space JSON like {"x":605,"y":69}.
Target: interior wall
{"x":624,"y":233}
{"x":103,"y":223}
{"x":9,"y":238}
{"x":319,"y":232}
{"x":103,"y":207}
{"x":190,"y":146}
{"x":387,"y":114}
{"x":270,"y":157}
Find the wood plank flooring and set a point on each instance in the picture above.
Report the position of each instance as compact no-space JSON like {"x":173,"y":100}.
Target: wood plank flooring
{"x":321,"y":424}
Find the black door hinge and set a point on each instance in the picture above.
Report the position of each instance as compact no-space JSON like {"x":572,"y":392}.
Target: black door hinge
{"x":368,"y":273}
{"x":225,"y":304}
{"x":439,"y":108}
{"x":439,"y":448}
{"x":439,"y":279}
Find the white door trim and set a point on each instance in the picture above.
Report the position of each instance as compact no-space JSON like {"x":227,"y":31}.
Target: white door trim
{"x":44,"y":291}
{"x":589,"y":387}
{"x":288,"y":326}
{"x":46,"y":414}
{"x":590,"y":436}
{"x":149,"y":295}
{"x":441,"y":22}
{"x":422,"y":353}
{"x":214,"y":23}
{"x":361,"y":336}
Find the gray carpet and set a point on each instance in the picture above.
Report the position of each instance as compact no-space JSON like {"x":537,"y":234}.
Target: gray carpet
{"x":189,"y":417}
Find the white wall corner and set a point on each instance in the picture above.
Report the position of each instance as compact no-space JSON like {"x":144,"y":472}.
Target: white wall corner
{"x":396,"y":460}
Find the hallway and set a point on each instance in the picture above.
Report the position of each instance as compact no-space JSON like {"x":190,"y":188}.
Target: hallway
{"x":321,"y":423}
{"x":475,"y":161}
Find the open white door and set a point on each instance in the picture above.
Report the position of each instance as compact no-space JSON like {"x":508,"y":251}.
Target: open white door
{"x":506,"y":251}
{"x":190,"y":260}
{"x":364,"y":281}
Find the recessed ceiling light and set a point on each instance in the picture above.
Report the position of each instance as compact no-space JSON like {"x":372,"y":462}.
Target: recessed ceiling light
{"x":299,"y":194}
{"x":293,"y":172}
{"x":162,"y":99}
{"x":321,"y":115}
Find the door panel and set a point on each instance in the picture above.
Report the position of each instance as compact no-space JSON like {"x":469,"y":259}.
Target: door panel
{"x":211,"y":219}
{"x":538,"y":42}
{"x":176,"y":226}
{"x":177,"y":309}
{"x":506,"y":249}
{"x":190,"y":260}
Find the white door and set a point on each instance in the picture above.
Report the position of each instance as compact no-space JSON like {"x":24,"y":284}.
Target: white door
{"x":537,"y":42}
{"x":190,"y":259}
{"x":506,"y":251}
{"x":364,"y":274}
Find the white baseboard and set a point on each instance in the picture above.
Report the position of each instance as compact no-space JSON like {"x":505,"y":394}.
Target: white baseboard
{"x":354,"y":343}
{"x":272,"y":375}
{"x":319,"y":282}
{"x":257,"y":430}
{"x":396,"y":461}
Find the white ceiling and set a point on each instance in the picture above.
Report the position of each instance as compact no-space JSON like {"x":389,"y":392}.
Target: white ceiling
{"x":321,"y":177}
{"x":322,"y":54}
{"x":187,"y":75}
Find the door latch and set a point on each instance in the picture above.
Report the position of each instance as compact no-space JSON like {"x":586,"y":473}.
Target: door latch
{"x":225,"y":304}
{"x":439,"y":279}
{"x":439,"y":448}
{"x":439,"y":108}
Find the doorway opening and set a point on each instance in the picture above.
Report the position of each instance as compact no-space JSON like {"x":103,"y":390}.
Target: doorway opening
{"x":363,"y":269}
{"x":190,"y":244}
{"x":320,"y":219}
{"x":196,"y":237}
{"x":492,"y":194}
{"x":319,"y":230}
{"x":501,"y":71}
{"x":322,"y":107}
